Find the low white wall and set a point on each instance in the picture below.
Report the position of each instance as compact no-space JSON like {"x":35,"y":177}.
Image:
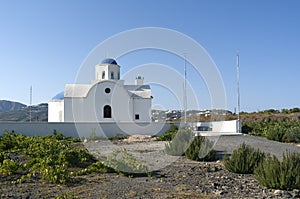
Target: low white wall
{"x":84,"y":129}
{"x":221,"y":126}
{"x":225,"y":126}
{"x":104,"y":129}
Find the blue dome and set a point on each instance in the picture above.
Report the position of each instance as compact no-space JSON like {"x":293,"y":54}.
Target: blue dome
{"x":59,"y":96}
{"x":109,"y":61}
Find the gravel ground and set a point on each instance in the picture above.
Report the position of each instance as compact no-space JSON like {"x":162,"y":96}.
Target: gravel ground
{"x":177,"y":178}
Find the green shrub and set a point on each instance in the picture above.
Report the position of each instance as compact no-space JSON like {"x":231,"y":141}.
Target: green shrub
{"x":77,"y":157}
{"x":55,"y":173}
{"x":276,"y":132}
{"x":244,"y":160}
{"x":180,"y":142}
{"x":201,"y":149}
{"x":280,"y":175}
{"x":95,"y":167}
{"x":246,"y":128}
{"x":125,"y":163}
{"x":118,"y":136}
{"x":8,"y":167}
{"x":10,"y":141}
{"x":281,"y":131}
{"x":50,"y":157}
{"x":173,"y":128}
{"x":168,"y":135}
{"x":292,"y":135}
{"x":69,"y":195}
{"x":3,"y":156}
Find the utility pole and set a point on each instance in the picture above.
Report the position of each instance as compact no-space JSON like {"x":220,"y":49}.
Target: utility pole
{"x":30,"y":103}
{"x":184,"y":89}
{"x":238,"y":92}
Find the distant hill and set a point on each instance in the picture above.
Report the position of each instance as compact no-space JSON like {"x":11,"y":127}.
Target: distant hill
{"x":6,"y":105}
{"x":17,"y":112}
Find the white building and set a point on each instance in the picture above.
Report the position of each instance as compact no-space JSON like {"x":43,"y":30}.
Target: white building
{"x":106,"y":99}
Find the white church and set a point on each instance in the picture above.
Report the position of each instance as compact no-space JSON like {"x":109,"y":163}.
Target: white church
{"x":106,"y":99}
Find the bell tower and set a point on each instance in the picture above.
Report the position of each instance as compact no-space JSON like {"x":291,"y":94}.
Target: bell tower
{"x":108,"y":70}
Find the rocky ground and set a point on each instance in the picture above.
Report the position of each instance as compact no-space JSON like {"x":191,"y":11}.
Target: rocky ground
{"x":180,"y":178}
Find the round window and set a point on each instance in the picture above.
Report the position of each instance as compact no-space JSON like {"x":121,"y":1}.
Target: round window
{"x":107,"y":90}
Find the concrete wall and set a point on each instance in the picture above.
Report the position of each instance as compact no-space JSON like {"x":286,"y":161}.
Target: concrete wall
{"x":56,"y":111}
{"x":140,"y":107}
{"x":103,"y":129}
{"x":222,"y":126}
{"x":84,"y":129}
{"x":225,"y":126}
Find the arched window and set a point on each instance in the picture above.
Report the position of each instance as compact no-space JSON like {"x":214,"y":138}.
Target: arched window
{"x":112,"y":75}
{"x":118,"y":75}
{"x":103,"y":75}
{"x":107,"y":111}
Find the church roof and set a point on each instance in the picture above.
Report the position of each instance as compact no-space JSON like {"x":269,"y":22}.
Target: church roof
{"x":81,"y":90}
{"x":59,"y":96}
{"x":109,"y":61}
{"x":138,"y":91}
{"x":77,"y":90}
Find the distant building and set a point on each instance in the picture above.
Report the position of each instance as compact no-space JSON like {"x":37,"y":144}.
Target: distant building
{"x":106,"y":99}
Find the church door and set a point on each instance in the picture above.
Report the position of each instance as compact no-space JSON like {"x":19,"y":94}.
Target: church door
{"x":107,"y":111}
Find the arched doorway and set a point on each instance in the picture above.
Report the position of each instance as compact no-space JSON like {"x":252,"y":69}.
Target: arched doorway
{"x":107,"y":111}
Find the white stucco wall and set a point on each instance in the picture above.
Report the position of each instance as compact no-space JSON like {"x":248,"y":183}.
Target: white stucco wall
{"x":107,"y":69}
{"x":90,"y":108}
{"x":84,"y":129}
{"x":56,"y":111}
{"x":225,"y":126}
{"x":221,"y":126}
{"x":143,"y":108}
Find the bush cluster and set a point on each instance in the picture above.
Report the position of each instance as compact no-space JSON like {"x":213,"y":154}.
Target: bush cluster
{"x":125,"y":163}
{"x":180,"y":142}
{"x":201,"y":149}
{"x":244,"y":160}
{"x":168,"y":135}
{"x":278,"y":131}
{"x":280,"y":175}
{"x":49,"y":157}
{"x":267,"y":169}
{"x":193,"y":147}
{"x":118,"y":136}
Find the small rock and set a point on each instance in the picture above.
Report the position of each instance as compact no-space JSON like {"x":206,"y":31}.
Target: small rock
{"x":210,"y":170}
{"x":224,"y":187}
{"x":287,"y":195}
{"x":221,"y":192}
{"x":296,"y":193}
{"x":278,"y":192}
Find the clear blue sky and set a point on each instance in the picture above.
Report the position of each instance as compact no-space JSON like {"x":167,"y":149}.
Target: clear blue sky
{"x":43,"y":43}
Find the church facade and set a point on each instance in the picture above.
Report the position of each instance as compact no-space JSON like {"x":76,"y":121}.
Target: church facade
{"x":106,"y":99}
